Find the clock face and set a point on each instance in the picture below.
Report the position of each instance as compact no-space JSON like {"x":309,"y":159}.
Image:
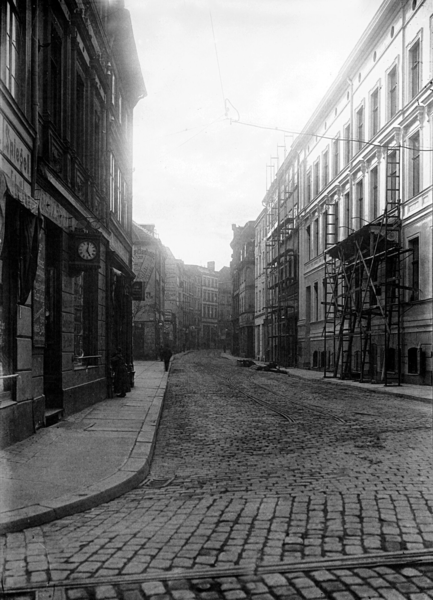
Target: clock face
{"x":87,"y":250}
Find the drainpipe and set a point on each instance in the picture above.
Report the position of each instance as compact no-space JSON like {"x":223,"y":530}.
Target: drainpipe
{"x":35,"y":94}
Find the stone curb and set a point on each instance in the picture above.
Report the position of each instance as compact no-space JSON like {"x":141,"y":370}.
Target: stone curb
{"x":348,"y":385}
{"x":127,"y":477}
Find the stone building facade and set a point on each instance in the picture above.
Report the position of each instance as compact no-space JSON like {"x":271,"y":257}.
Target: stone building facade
{"x":151,"y":329}
{"x":69,"y":81}
{"x":361,"y":179}
{"x":260,"y":323}
{"x":243,"y":278}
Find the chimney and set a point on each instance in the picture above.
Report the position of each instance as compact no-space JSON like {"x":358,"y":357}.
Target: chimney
{"x":211,"y":265}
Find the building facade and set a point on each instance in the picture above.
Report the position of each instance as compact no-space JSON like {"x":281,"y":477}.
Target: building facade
{"x":362,"y":171}
{"x":225,"y":308}
{"x":209,"y":306}
{"x":151,"y":329}
{"x":260,"y":342}
{"x":243,"y":280}
{"x":191,"y":317}
{"x":172,"y":301}
{"x":69,"y":81}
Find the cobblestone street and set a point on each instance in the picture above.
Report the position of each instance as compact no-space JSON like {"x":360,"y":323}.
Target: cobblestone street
{"x":262,"y":485}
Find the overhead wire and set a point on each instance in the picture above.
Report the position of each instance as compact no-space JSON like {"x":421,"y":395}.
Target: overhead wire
{"x":218,"y":63}
{"x":326,"y":137}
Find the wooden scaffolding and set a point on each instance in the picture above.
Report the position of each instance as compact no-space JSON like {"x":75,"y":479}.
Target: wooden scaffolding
{"x":363,"y":293}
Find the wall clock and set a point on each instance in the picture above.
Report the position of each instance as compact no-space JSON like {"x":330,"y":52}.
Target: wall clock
{"x":87,"y":250}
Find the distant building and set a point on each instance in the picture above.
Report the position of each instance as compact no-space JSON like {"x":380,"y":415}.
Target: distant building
{"x":242,"y":270}
{"x":260,"y":343}
{"x":190,"y":333}
{"x":209,"y":306}
{"x":172,"y":301}
{"x":151,"y":329}
{"x":225,"y":288}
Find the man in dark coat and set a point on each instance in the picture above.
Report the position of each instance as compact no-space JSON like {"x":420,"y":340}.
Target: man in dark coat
{"x":120,"y":374}
{"x":166,"y":354}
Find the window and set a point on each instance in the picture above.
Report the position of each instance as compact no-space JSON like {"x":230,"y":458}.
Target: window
{"x":323,"y":302}
{"x":113,"y":89}
{"x":392,"y":177}
{"x":316,"y":237}
{"x":336,"y":156}
{"x":360,"y":127}
{"x":325,"y":230}
{"x":392,"y":92}
{"x":415,"y":165}
{"x":112,"y":183}
{"x":309,"y":186}
{"x":414,"y":70}
{"x":14,"y":35}
{"x":308,"y":305}
{"x":86,"y":314}
{"x":347,"y":142}
{"x":337,"y":222}
{"x":308,"y":242}
{"x":374,"y":107}
{"x":325,"y":168}
{"x":97,"y":141}
{"x":56,"y":80}
{"x":360,"y":202}
{"x":316,"y":177}
{"x":374,"y":193}
{"x":119,"y":108}
{"x":347,"y":214}
{"x":414,"y":270}
{"x":80,"y":112}
{"x":316,"y":301}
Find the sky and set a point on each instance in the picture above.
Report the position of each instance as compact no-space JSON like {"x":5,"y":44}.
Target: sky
{"x":207,"y":64}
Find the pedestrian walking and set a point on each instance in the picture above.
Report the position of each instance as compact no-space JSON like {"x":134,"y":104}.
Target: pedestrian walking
{"x":120,"y":374}
{"x":166,"y":354}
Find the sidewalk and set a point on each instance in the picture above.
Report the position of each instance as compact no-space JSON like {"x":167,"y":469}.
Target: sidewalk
{"x":91,"y":457}
{"x":419,"y":392}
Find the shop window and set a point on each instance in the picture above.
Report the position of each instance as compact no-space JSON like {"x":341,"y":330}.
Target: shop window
{"x":86,"y":318}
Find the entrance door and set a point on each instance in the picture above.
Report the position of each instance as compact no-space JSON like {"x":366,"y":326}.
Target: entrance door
{"x":53,"y":329}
